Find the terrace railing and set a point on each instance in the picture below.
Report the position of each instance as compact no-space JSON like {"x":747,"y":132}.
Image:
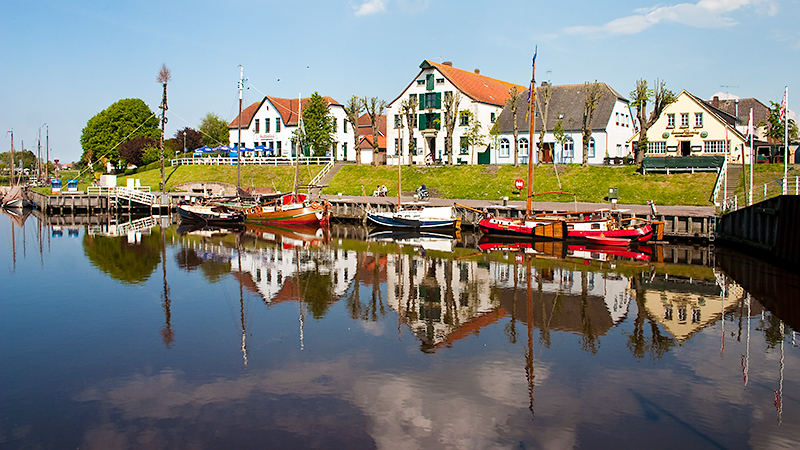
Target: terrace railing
{"x":772,"y":189}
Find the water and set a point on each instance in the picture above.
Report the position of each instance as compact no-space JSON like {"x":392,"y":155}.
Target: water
{"x":144,"y":335}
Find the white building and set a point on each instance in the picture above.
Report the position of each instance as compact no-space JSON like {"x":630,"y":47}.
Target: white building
{"x":271,"y":122}
{"x":479,"y":94}
{"x":612,"y":126}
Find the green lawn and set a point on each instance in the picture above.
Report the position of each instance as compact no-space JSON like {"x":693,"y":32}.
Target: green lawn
{"x":493,"y":182}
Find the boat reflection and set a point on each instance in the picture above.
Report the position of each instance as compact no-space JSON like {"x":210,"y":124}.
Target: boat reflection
{"x":290,"y":235}
{"x":443,"y":240}
{"x":202,"y":229}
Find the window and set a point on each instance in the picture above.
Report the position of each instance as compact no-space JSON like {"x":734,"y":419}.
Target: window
{"x":698,"y":120}
{"x":398,"y":121}
{"x":493,"y":117}
{"x":591,"y":147}
{"x":522,"y":144}
{"x":398,"y":144}
{"x":266,"y":125}
{"x":255,"y":126}
{"x":463,"y":119}
{"x":420,"y":82}
{"x":463,"y":146}
{"x":277,"y":125}
{"x":617,"y":118}
{"x":684,"y":120}
{"x":657,"y":147}
{"x":415,"y":146}
{"x":440,"y":81}
{"x":504,"y":146}
{"x":279,"y":148}
{"x":715,"y":147}
{"x":569,"y":149}
{"x":430,"y":100}
{"x":670,"y":120}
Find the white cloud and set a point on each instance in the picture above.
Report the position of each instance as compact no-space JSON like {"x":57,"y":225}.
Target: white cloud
{"x":703,"y":14}
{"x":371,"y":7}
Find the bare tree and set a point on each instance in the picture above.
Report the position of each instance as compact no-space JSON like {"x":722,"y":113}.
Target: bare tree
{"x":512,"y":103}
{"x":473,"y":136}
{"x":353,"y":112}
{"x":374,"y":108}
{"x":544,"y":95}
{"x":592,"y":94}
{"x":450,"y":104}
{"x":662,"y":97}
{"x":408,"y":109}
{"x":164,"y":75}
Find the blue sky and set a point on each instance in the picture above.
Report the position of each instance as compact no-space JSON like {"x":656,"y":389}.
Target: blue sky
{"x":63,"y":62}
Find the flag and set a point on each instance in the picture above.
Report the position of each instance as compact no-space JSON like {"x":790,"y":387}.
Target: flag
{"x":783,"y":105}
{"x":750,"y":125}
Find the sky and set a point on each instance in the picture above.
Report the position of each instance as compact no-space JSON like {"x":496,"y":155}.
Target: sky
{"x":64,"y":62}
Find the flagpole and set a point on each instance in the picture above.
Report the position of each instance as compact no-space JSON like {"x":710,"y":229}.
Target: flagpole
{"x":786,"y":141}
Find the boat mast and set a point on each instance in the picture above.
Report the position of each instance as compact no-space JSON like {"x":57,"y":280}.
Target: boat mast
{"x":399,"y":165}
{"x":531,"y":111}
{"x":239,"y":142}
{"x":11,"y":179}
{"x":300,"y":136}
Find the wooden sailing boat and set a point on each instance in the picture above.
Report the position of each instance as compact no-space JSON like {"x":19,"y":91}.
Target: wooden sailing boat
{"x":414,"y":218}
{"x":528,"y":226}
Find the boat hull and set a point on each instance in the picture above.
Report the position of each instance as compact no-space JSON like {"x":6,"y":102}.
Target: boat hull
{"x":209,"y":214}
{"x":499,"y":226}
{"x":615,"y":237}
{"x":416,"y":219}
{"x":293,"y":214}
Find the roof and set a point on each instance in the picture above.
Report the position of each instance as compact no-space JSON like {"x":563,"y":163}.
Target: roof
{"x":730,"y":107}
{"x":566,"y":104}
{"x":286,"y":107}
{"x":366,"y":141}
{"x":477,"y":87}
{"x":365,"y":125}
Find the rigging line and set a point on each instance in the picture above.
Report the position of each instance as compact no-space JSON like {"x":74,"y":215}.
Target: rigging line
{"x":122,"y":141}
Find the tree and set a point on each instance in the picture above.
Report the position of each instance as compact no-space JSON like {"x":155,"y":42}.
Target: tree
{"x":512,"y":103}
{"x":133,"y":151}
{"x":320,"y":125}
{"x":592,"y":94}
{"x":450,"y":104}
{"x":545,"y":93}
{"x":662,"y":97}
{"x":353,"y":112}
{"x":192,"y":138}
{"x":408,"y":109}
{"x":215,"y":130}
{"x":473,"y":137}
{"x":560,"y":134}
{"x":374,"y":108}
{"x":776,"y":128}
{"x":124,"y":120}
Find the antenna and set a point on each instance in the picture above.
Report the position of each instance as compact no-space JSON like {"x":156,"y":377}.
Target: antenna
{"x":549,"y":73}
{"x":727,"y":86}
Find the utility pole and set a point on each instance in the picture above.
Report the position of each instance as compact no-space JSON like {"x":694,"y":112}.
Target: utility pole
{"x":164,"y":76}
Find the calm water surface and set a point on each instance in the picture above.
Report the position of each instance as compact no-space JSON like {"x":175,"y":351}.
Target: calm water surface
{"x":146,"y":335}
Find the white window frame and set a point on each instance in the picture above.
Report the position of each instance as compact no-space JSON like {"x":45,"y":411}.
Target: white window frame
{"x":670,"y":120}
{"x":592,"y":146}
{"x":715,"y":147}
{"x":698,"y":120}
{"x":657,"y":148}
{"x":684,"y":120}
{"x":568,"y":150}
{"x":523,"y":149}
{"x":505,"y":148}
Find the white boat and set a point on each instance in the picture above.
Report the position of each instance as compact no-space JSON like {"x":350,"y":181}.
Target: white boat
{"x":416,"y":218}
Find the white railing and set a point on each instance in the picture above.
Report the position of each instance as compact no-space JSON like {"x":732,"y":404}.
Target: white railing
{"x":321,"y":173}
{"x":138,"y":225}
{"x":139,"y":194}
{"x":722,"y":182}
{"x":252,"y":161}
{"x":769,"y":190}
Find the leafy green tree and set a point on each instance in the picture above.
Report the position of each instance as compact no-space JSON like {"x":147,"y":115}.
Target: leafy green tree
{"x":320,"y":125}
{"x":776,"y":128}
{"x":215,"y":130}
{"x":26,"y":156}
{"x":192,"y":138}
{"x":662,"y":97}
{"x":124,"y":120}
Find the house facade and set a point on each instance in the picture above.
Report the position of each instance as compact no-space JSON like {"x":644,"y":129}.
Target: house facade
{"x":482,"y":96}
{"x":691,"y":127}
{"x":612,"y":126}
{"x":271,"y":122}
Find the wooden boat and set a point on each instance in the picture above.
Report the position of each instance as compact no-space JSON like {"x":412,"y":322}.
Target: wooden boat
{"x":289,"y":236}
{"x":601,"y":224}
{"x":605,"y":253}
{"x":429,"y":217}
{"x":209,"y":214}
{"x":528,"y":226}
{"x":603,"y":240}
{"x":292,"y":208}
{"x":17,"y":199}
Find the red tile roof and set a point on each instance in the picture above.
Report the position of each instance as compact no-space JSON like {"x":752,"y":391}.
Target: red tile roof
{"x":365,"y":125}
{"x":366,"y":142}
{"x":479,"y":88}
{"x":286,"y":107}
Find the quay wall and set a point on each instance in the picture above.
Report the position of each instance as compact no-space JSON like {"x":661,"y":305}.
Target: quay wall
{"x":770,"y":226}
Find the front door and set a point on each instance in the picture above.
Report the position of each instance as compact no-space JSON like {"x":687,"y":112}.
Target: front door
{"x":547,"y":153}
{"x":686,"y":148}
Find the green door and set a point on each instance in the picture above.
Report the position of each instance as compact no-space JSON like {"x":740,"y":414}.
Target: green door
{"x":484,"y":157}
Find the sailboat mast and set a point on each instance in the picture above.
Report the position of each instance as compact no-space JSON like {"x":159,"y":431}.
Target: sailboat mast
{"x":239,"y":142}
{"x":399,"y":165}
{"x":300,"y":131}
{"x":11,"y":179}
{"x":531,"y":111}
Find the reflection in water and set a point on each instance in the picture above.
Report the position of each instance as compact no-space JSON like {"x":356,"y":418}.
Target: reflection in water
{"x":641,"y":337}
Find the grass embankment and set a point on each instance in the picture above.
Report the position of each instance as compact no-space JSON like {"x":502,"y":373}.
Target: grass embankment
{"x":590,"y":184}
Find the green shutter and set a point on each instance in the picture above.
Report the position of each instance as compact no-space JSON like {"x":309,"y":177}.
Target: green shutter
{"x":423,"y":124}
{"x":438,"y":100}
{"x":439,"y":123}
{"x":429,"y":81}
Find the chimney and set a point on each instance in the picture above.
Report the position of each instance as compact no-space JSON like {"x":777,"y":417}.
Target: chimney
{"x":448,"y":63}
{"x":715,"y":101}
{"x":545,"y":83}
{"x":477,"y":71}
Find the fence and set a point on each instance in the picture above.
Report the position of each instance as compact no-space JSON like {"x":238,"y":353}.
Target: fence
{"x":252,"y":161}
{"x":769,"y":190}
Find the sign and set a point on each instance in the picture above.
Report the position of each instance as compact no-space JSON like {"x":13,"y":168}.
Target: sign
{"x":519,"y":183}
{"x":266,"y":137}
